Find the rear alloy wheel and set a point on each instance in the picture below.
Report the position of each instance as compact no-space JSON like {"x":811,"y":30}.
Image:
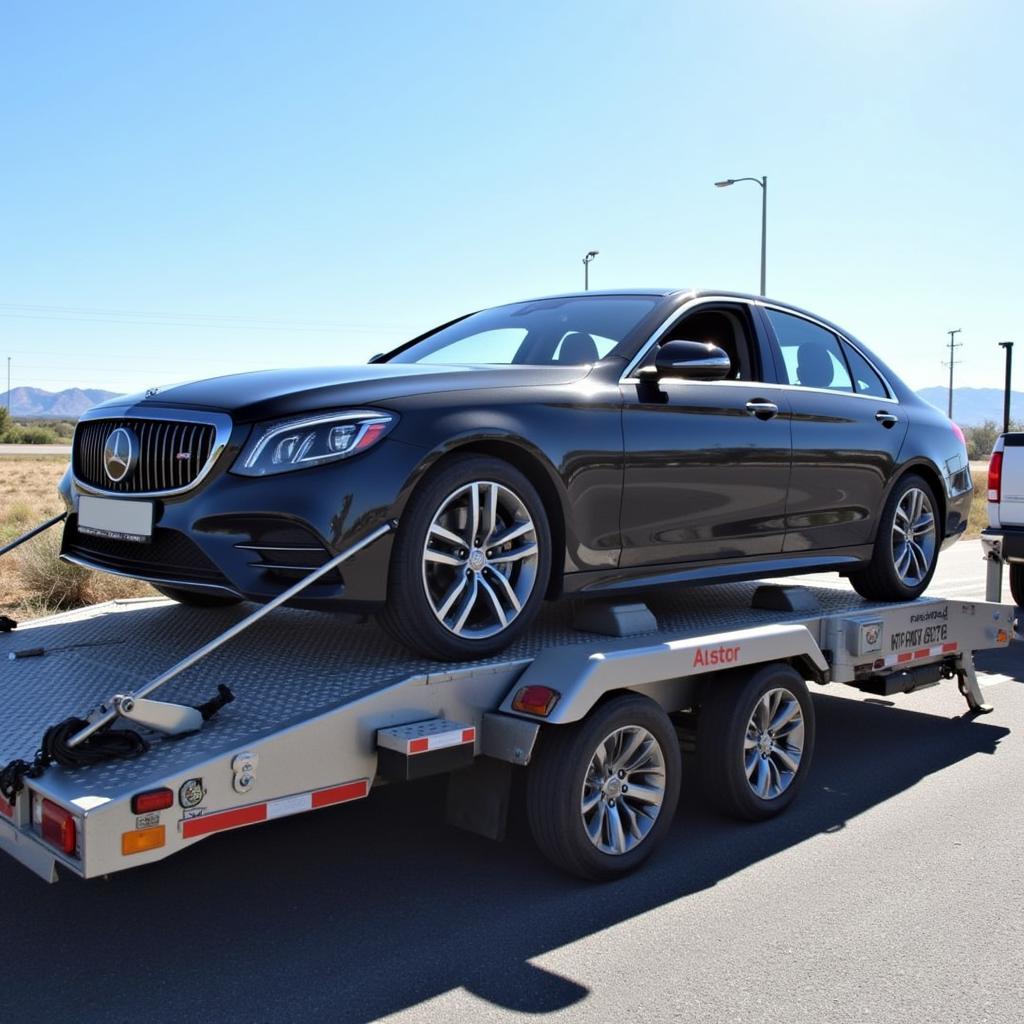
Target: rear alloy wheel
{"x":196,"y":598}
{"x":906,"y":546}
{"x":471,"y":561}
{"x":601,"y":793}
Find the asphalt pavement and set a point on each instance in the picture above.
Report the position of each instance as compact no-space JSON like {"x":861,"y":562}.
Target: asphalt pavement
{"x":891,"y":891}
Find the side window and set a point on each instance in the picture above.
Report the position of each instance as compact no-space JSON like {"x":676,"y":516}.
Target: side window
{"x":811,"y":354}
{"x":865,"y":380}
{"x":726,"y":327}
{"x":498,"y":346}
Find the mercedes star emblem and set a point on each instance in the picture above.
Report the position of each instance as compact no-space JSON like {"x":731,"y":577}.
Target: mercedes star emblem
{"x":120,"y":454}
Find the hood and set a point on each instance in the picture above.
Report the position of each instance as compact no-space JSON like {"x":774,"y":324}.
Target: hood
{"x":269,"y":394}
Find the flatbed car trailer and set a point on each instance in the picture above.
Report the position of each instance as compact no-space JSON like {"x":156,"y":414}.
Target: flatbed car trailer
{"x":591,"y":704}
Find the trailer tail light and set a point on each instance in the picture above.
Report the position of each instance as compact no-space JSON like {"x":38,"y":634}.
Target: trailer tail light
{"x":536,"y":700}
{"x":995,"y":477}
{"x":152,"y":800}
{"x":143,"y":839}
{"x":58,"y":827}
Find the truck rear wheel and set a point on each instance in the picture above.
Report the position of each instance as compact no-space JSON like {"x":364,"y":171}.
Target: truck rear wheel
{"x":755,"y":738}
{"x":601,"y":794}
{"x":1017,"y":582}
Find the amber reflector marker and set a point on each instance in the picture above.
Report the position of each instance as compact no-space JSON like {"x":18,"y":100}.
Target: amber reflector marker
{"x":536,"y":700}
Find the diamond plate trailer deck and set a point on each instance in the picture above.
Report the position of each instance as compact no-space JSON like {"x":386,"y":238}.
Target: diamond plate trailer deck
{"x":312,"y":696}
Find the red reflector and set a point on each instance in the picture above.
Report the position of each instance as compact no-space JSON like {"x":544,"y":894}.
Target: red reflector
{"x":418,"y":746}
{"x":152,"y":800}
{"x":59,"y":827}
{"x":995,"y":477}
{"x":536,"y":700}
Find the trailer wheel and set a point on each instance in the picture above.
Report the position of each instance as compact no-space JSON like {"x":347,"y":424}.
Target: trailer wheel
{"x":601,"y":794}
{"x":1017,"y":582}
{"x":755,"y":738}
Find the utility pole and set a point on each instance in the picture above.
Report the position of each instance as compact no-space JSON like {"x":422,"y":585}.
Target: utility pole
{"x":1008,"y":346}
{"x":8,"y":387}
{"x":952,"y":362}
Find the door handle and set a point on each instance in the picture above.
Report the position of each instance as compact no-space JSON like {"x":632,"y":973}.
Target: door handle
{"x":887,"y":419}
{"x":762,"y":408}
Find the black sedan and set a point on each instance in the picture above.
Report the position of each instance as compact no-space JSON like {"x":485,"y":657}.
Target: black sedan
{"x":585,"y":444}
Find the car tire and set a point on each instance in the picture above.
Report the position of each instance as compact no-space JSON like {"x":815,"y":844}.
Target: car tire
{"x":1017,"y":582}
{"x":562,"y":784}
{"x":437,"y":551}
{"x":901,"y":570}
{"x":196,"y":599}
{"x":752,"y":760}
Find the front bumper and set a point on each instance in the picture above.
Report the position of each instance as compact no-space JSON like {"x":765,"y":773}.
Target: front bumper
{"x":255,"y":536}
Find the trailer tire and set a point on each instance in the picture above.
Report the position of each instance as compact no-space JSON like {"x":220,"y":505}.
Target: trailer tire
{"x":195,"y":599}
{"x":1017,"y":582}
{"x":566,"y":806}
{"x":743,"y":770}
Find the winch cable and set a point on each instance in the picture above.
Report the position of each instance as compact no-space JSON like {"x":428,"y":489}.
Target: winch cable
{"x":104,"y":745}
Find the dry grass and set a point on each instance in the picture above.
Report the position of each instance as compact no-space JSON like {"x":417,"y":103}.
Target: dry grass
{"x":33,"y":581}
{"x":979,"y":507}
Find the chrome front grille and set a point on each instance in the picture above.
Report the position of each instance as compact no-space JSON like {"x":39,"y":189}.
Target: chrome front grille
{"x":172,"y":454}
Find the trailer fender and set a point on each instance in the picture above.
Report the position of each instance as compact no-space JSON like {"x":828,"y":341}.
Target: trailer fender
{"x":581,"y":677}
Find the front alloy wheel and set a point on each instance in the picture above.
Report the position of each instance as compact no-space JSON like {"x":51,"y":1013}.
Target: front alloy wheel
{"x":471,"y":560}
{"x":480,"y":560}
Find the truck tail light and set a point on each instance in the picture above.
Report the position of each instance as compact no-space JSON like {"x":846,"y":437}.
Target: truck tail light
{"x":152,"y":800}
{"x":58,"y":827}
{"x":995,"y":477}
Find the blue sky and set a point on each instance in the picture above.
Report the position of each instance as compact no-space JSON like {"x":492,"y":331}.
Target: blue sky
{"x":197,"y":188}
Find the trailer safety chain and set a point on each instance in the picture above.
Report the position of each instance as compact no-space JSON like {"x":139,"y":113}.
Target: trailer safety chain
{"x":104,"y":745}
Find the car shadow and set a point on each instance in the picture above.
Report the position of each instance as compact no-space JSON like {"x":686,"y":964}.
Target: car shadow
{"x":358,"y":912}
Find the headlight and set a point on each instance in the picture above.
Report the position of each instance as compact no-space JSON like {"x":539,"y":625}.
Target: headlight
{"x":297,"y":444}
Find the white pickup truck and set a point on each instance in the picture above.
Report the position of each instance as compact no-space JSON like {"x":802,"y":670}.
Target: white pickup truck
{"x":1004,"y":537}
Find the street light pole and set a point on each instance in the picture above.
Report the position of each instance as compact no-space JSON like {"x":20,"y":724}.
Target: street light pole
{"x":952,"y":363}
{"x":763,"y":182}
{"x":587,"y":260}
{"x":1008,"y":346}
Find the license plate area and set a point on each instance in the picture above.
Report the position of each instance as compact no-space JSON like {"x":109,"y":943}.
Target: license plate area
{"x":116,"y":519}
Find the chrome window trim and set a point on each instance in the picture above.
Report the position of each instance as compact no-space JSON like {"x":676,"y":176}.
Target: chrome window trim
{"x":221,"y":423}
{"x":811,"y":319}
{"x":691,"y":304}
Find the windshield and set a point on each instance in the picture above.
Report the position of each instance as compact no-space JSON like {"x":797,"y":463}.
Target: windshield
{"x":569,"y":331}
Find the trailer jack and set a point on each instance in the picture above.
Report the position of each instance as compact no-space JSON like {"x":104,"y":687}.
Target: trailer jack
{"x":967,"y":680}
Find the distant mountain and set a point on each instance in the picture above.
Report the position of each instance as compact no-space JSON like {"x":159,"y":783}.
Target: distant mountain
{"x":972,"y":406}
{"x":67,"y":404}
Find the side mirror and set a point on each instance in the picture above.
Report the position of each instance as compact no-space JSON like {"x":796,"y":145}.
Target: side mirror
{"x":692,"y":360}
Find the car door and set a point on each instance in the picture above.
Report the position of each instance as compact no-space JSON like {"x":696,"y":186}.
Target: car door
{"x":847,"y":433}
{"x":706,"y":463}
